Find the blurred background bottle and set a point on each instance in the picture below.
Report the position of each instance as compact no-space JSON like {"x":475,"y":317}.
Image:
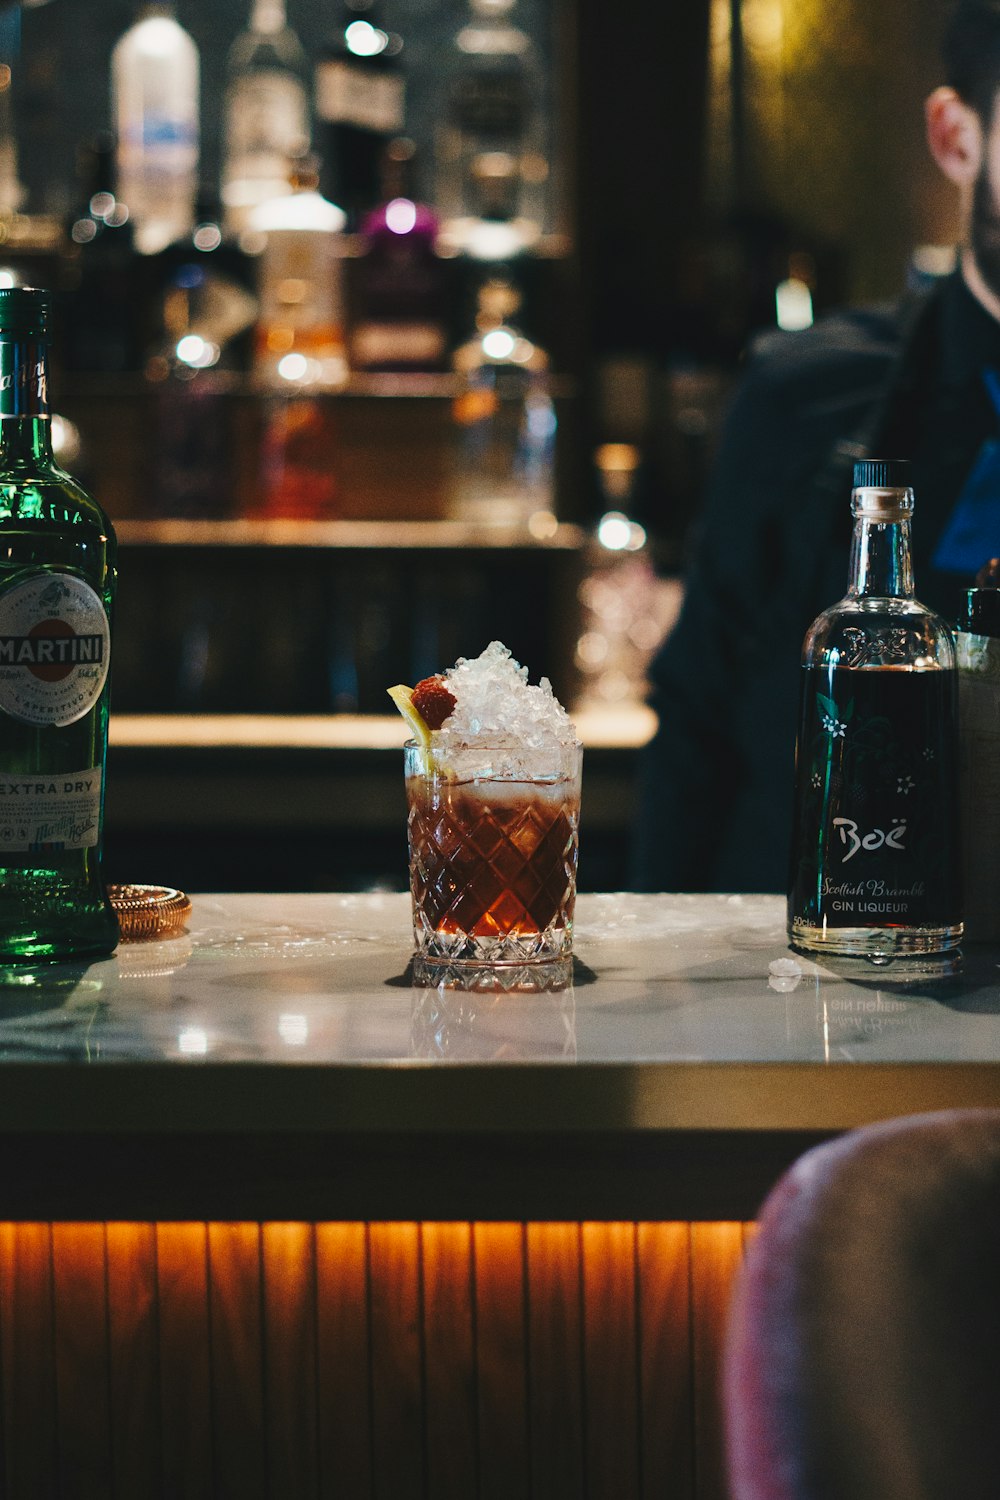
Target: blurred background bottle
{"x":204,"y":314}
{"x":504,"y":420}
{"x":266,"y":117}
{"x":190,"y":476}
{"x":155,"y":108}
{"x":12,"y":190}
{"x":492,"y":163}
{"x":360,"y":96}
{"x":300,"y":334}
{"x":300,"y":351}
{"x":626,"y":609}
{"x":400,"y":309}
{"x":102,"y":321}
{"x":978,"y":650}
{"x":230,"y":276}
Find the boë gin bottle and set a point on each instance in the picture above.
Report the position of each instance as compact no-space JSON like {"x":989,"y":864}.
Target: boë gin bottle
{"x":875,"y":851}
{"x":57,"y":578}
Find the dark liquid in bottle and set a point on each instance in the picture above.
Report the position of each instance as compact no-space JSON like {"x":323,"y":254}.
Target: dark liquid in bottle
{"x":875,"y":842}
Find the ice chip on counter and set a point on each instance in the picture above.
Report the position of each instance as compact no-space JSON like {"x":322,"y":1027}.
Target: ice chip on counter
{"x":785,"y":968}
{"x":784,"y":975}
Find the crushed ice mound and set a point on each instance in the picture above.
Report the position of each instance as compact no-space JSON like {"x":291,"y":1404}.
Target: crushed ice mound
{"x":501,"y":725}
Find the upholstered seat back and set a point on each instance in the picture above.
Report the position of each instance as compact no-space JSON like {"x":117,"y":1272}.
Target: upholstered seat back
{"x":863,"y":1359}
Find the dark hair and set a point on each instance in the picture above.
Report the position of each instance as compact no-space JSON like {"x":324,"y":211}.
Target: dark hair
{"x":970,"y":51}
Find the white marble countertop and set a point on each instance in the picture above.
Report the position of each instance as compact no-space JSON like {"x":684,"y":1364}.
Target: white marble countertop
{"x":298,"y":1018}
{"x":327,"y":979}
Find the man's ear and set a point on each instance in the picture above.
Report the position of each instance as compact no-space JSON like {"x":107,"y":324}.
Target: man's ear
{"x":955,"y":136}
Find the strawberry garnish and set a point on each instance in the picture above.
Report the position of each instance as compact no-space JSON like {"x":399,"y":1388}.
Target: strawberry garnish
{"x":433,"y":701}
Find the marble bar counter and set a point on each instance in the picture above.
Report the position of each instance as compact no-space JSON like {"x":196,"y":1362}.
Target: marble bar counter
{"x":283,"y":1060}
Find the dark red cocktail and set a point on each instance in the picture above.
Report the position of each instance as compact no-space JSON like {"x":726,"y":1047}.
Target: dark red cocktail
{"x":492,"y":863}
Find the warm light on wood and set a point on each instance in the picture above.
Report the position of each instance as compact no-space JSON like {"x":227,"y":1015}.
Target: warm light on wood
{"x":431,"y":1360}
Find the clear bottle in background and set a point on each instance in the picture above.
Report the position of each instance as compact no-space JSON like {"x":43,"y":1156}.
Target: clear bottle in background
{"x":399,"y":319}
{"x":360,"y":100}
{"x":300,"y":335}
{"x":155,"y":109}
{"x":492,"y":166}
{"x":301,"y":349}
{"x":266,"y":113}
{"x":978,"y":647}
{"x":57,"y":585}
{"x":504,"y":420}
{"x":875,"y":869}
{"x":626,"y":609}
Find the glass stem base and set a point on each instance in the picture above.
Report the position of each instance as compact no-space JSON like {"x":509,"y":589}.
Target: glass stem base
{"x":873,"y":942}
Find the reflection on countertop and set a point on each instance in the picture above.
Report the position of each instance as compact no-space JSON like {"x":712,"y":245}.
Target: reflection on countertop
{"x":516,"y":1012}
{"x":659,"y":980}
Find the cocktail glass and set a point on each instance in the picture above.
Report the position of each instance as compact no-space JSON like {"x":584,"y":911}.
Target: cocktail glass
{"x":493,"y":861}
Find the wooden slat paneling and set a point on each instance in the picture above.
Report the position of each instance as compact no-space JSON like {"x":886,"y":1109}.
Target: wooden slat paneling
{"x":610,"y":1362}
{"x":666,"y":1446}
{"x":344,"y":1361}
{"x":397,"y":1362}
{"x":237,"y":1367}
{"x":555,"y":1365}
{"x":290,"y":1416}
{"x":27,"y":1365}
{"x":133,"y":1330}
{"x":449,"y":1361}
{"x":185,"y":1360}
{"x":82,"y":1361}
{"x":716,"y":1253}
{"x":363,"y":1362}
{"x":501,"y":1361}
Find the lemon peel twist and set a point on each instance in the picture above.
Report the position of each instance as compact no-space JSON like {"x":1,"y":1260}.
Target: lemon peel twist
{"x":402,"y":696}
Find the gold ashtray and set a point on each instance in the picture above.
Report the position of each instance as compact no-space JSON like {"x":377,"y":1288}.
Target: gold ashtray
{"x":148,"y":911}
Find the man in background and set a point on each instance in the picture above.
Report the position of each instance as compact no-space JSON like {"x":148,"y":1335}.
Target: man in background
{"x":920,"y":381}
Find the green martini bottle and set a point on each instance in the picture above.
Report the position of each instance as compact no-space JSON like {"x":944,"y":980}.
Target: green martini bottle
{"x":57,"y":582}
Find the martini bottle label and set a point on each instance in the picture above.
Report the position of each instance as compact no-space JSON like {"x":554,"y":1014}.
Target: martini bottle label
{"x":54,"y":649}
{"x":42,"y":814}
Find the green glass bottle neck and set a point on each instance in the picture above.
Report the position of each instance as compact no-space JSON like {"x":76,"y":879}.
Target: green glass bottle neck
{"x":881,"y":562}
{"x":25,"y":427}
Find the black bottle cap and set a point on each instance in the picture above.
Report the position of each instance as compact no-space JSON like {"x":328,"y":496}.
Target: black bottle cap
{"x":882,"y":474}
{"x":981,"y":615}
{"x":24,"y":312}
